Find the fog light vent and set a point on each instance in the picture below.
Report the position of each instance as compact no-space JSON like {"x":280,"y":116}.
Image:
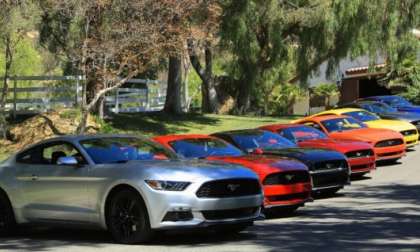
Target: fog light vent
{"x":178,"y":216}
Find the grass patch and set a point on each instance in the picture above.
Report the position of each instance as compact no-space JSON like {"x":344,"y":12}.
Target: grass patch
{"x":153,"y":124}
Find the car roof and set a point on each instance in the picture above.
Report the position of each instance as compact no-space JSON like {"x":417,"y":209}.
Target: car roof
{"x":278,"y":126}
{"x":321,"y":118}
{"x":339,"y":111}
{"x":170,"y":138}
{"x":77,"y":138}
{"x":233,"y":132}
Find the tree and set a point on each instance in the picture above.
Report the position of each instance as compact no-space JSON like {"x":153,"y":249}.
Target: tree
{"x":261,"y":33}
{"x":16,"y":19}
{"x":326,"y":91}
{"x":404,"y":77}
{"x":111,"y":41}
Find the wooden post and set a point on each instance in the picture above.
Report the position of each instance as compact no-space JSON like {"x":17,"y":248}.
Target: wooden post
{"x":77,"y":90}
{"x":14,"y":98}
{"x":147,"y":96}
{"x":116,"y":109}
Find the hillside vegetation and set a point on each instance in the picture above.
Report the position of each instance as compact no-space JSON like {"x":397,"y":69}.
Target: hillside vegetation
{"x":63,"y":122}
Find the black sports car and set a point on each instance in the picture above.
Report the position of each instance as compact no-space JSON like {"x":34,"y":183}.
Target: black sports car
{"x":385,"y":111}
{"x":329,"y":169}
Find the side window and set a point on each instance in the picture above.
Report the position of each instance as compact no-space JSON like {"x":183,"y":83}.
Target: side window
{"x":51,"y":153}
{"x":314,"y":125}
{"x":31,"y":156}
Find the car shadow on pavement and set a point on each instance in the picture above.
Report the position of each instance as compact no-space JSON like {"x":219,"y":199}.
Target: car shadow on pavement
{"x":368,"y":218}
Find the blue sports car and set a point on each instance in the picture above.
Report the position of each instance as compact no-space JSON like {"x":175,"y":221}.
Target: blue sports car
{"x":395,"y":101}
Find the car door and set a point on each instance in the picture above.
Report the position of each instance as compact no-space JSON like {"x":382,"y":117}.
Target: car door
{"x":57,"y":192}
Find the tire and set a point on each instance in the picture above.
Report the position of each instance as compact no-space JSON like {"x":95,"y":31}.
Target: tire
{"x":278,"y":212}
{"x":127,"y":218}
{"x":329,"y":192}
{"x":358,"y":175}
{"x":7,"y":216}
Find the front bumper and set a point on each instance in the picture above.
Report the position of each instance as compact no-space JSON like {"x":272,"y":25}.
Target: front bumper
{"x":362,"y":165}
{"x":411,"y":140}
{"x":221,"y":210}
{"x":390,"y":153}
{"x":287,"y":195}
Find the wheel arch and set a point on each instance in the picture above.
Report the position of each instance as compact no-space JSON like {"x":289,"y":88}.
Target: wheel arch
{"x":5,"y":194}
{"x":112,"y":191}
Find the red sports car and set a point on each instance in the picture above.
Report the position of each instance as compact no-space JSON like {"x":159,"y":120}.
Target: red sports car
{"x":286,"y":182}
{"x":360,"y":155}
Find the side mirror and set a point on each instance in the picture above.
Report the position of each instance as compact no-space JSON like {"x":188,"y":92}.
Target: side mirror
{"x":67,"y":161}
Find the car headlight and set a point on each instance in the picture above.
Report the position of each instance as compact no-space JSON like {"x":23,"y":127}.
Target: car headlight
{"x":162,"y":185}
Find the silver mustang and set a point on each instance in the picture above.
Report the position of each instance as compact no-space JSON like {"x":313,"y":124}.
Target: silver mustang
{"x":130,"y":186}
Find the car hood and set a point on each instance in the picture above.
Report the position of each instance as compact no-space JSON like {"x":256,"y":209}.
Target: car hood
{"x":263,"y":164}
{"x":307,"y":155}
{"x":370,"y":135}
{"x":186,"y":170}
{"x":342,"y":146}
{"x":391,"y":124}
{"x":405,"y":116}
{"x":414,"y":108}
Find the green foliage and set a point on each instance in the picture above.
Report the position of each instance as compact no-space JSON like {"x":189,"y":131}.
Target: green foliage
{"x":326,"y":89}
{"x":283,"y":98}
{"x":261,"y":34}
{"x":406,"y":78}
{"x":27,"y":59}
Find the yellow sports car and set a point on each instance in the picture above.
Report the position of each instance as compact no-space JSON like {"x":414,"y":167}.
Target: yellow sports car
{"x":408,"y":130}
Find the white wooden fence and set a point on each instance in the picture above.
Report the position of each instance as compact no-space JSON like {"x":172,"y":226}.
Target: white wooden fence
{"x":68,"y":94}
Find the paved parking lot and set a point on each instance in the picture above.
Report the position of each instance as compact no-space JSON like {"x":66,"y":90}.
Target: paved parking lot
{"x":381,"y":213}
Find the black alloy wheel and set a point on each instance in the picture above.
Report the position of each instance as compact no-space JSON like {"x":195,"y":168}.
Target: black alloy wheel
{"x":127,"y":218}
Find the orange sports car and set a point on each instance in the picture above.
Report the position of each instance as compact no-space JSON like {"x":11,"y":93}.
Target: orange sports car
{"x":388,"y":144}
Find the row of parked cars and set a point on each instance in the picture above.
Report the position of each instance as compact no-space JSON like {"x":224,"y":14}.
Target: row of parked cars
{"x":134,"y":186}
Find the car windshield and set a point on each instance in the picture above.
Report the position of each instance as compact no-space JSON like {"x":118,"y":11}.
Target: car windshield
{"x":342,"y":124}
{"x":251,"y":140}
{"x":380,"y":107}
{"x":363,"y":116}
{"x":302,"y":133}
{"x":120,"y":150}
{"x":204,"y":147}
{"x":396,"y":101}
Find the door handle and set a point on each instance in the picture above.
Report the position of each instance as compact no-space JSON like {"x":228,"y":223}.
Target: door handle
{"x":34,"y":177}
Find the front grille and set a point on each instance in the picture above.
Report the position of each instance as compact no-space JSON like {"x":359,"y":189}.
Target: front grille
{"x":229,"y":188}
{"x":295,"y":196}
{"x":409,"y":132}
{"x":287,"y":178}
{"x":230,"y":213}
{"x":329,"y":165}
{"x":389,"y":142}
{"x":411,"y":142}
{"x":331,"y":179}
{"x":360,"y":154}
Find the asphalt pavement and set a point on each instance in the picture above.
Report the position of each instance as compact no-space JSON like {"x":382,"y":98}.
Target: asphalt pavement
{"x":378,"y":213}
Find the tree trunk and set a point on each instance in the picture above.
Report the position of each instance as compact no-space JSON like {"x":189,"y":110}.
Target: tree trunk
{"x":81,"y":128}
{"x":173,"y":103}
{"x":209,"y":101}
{"x":3,"y":99}
{"x":244,"y":98}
